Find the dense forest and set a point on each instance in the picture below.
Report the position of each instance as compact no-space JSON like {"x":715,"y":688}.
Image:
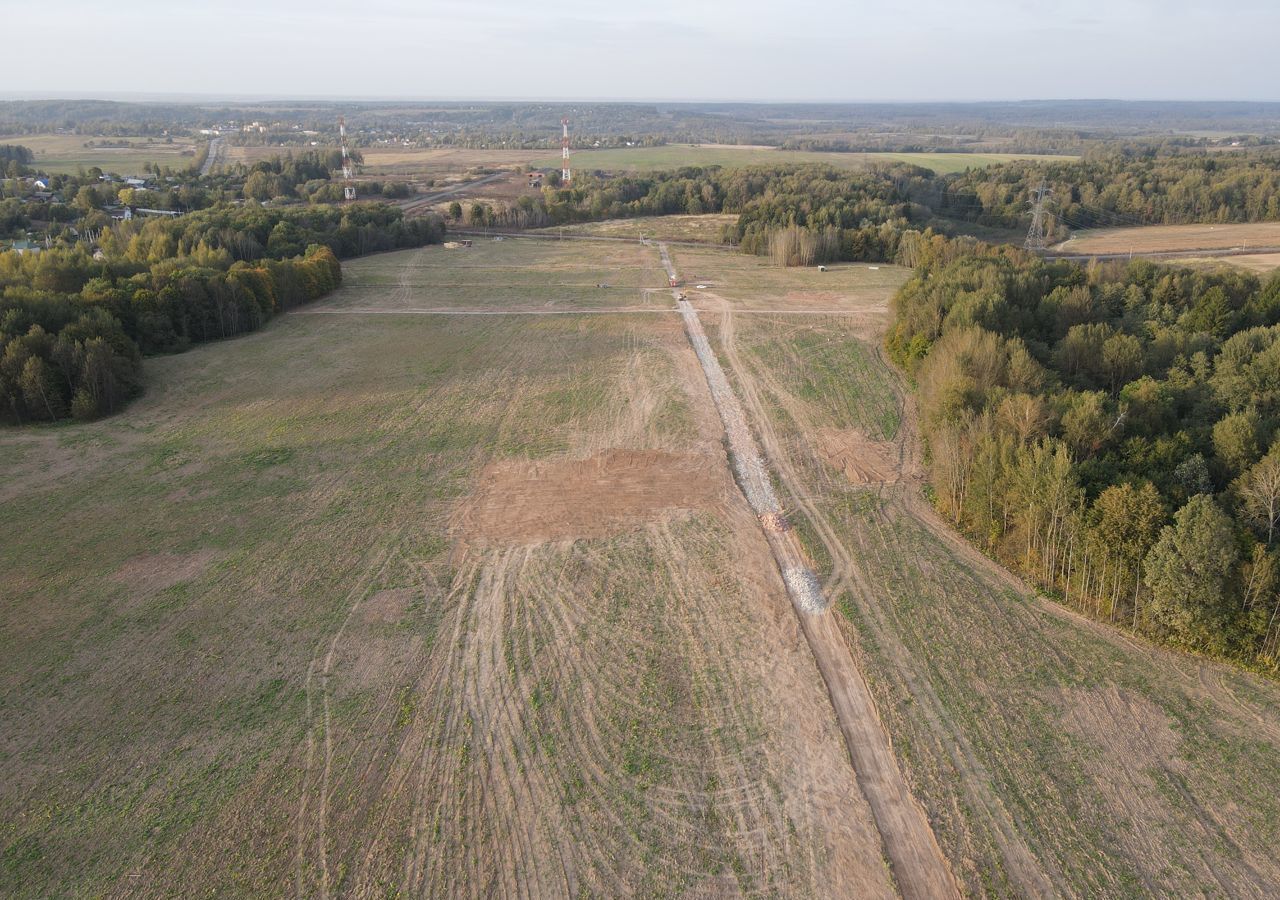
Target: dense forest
{"x":831,"y":213}
{"x":1116,"y":189}
{"x":1111,"y":432}
{"x":817,"y":213}
{"x":74,"y":325}
{"x":63,"y":206}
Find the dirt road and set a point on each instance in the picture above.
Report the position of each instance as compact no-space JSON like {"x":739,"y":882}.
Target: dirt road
{"x":420,"y":203}
{"x":211,"y":160}
{"x":918,"y":864}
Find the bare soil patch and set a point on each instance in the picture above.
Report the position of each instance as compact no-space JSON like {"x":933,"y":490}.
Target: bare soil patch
{"x":611,"y":492}
{"x":154,"y":572}
{"x":1124,"y":721}
{"x":863,"y":460}
{"x":386,"y":607}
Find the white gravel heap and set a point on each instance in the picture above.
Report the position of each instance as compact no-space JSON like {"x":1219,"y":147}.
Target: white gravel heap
{"x":804,"y":589}
{"x":750,"y":468}
{"x":801,"y":583}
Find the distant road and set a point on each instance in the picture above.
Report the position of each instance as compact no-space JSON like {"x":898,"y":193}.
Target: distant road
{"x":215,"y":150}
{"x":421,"y":201}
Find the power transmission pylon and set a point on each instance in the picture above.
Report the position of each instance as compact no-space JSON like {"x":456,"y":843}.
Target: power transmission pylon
{"x":565,"y":174}
{"x":1035,"y":234}
{"x":348,"y":170}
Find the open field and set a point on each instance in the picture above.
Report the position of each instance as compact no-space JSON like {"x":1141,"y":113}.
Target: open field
{"x":1174,"y":238}
{"x":440,"y":162}
{"x":404,"y":161}
{"x":1053,"y":756}
{"x":509,"y":274}
{"x":705,"y":228}
{"x":1261,"y":263}
{"x":444,"y":587}
{"x":67,"y":153}
{"x":671,"y":156}
{"x":388,"y":605}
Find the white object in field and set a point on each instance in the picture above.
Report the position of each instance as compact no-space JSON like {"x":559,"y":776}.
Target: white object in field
{"x":822,"y":268}
{"x":874,"y":268}
{"x":702,"y":287}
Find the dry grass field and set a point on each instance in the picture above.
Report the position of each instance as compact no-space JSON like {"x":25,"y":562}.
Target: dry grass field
{"x":67,"y":153}
{"x":1259,"y":263}
{"x":394,"y":161}
{"x":405,"y":604}
{"x":704,"y":228}
{"x":1174,"y":238}
{"x":672,"y":156}
{"x":443,"y":587}
{"x":1054,"y":756}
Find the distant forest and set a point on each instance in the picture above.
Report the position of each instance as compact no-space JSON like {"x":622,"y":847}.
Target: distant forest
{"x":74,"y":327}
{"x":833,"y":214}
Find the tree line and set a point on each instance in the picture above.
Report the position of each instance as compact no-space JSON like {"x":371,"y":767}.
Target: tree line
{"x":74,"y":327}
{"x":1111,"y":432}
{"x":1116,"y":189}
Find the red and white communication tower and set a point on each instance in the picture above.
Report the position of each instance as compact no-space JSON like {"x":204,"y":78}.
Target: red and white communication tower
{"x":348,"y":170}
{"x":565,"y":175}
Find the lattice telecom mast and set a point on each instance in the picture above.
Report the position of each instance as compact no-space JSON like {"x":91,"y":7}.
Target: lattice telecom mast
{"x":348,"y":170}
{"x":565,"y":174}
{"x":1035,"y":234}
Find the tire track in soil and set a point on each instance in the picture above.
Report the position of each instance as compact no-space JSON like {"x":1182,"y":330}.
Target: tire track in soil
{"x":325,"y":669}
{"x":917,"y":862}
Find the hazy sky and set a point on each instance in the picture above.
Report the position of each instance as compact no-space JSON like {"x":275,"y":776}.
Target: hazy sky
{"x":655,"y":49}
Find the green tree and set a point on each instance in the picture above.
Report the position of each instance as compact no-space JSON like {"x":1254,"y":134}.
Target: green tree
{"x":1121,"y":360}
{"x":40,"y":390}
{"x":1260,"y":491}
{"x":1126,"y":523}
{"x":1188,"y":571}
{"x":1235,"y":441}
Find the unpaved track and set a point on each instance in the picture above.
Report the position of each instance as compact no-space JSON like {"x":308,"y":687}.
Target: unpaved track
{"x":1024,"y":869}
{"x":593,"y":311}
{"x":918,"y":865}
{"x":212,"y":158}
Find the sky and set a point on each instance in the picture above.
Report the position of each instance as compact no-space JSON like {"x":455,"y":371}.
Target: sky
{"x":796,"y":50}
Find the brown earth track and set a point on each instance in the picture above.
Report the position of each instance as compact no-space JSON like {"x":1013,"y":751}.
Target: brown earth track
{"x":919,"y":867}
{"x":847,"y":575}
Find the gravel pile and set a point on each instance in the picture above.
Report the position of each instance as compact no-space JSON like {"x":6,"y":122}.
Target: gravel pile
{"x":753,"y":477}
{"x":804,"y":589}
{"x":747,"y":464}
